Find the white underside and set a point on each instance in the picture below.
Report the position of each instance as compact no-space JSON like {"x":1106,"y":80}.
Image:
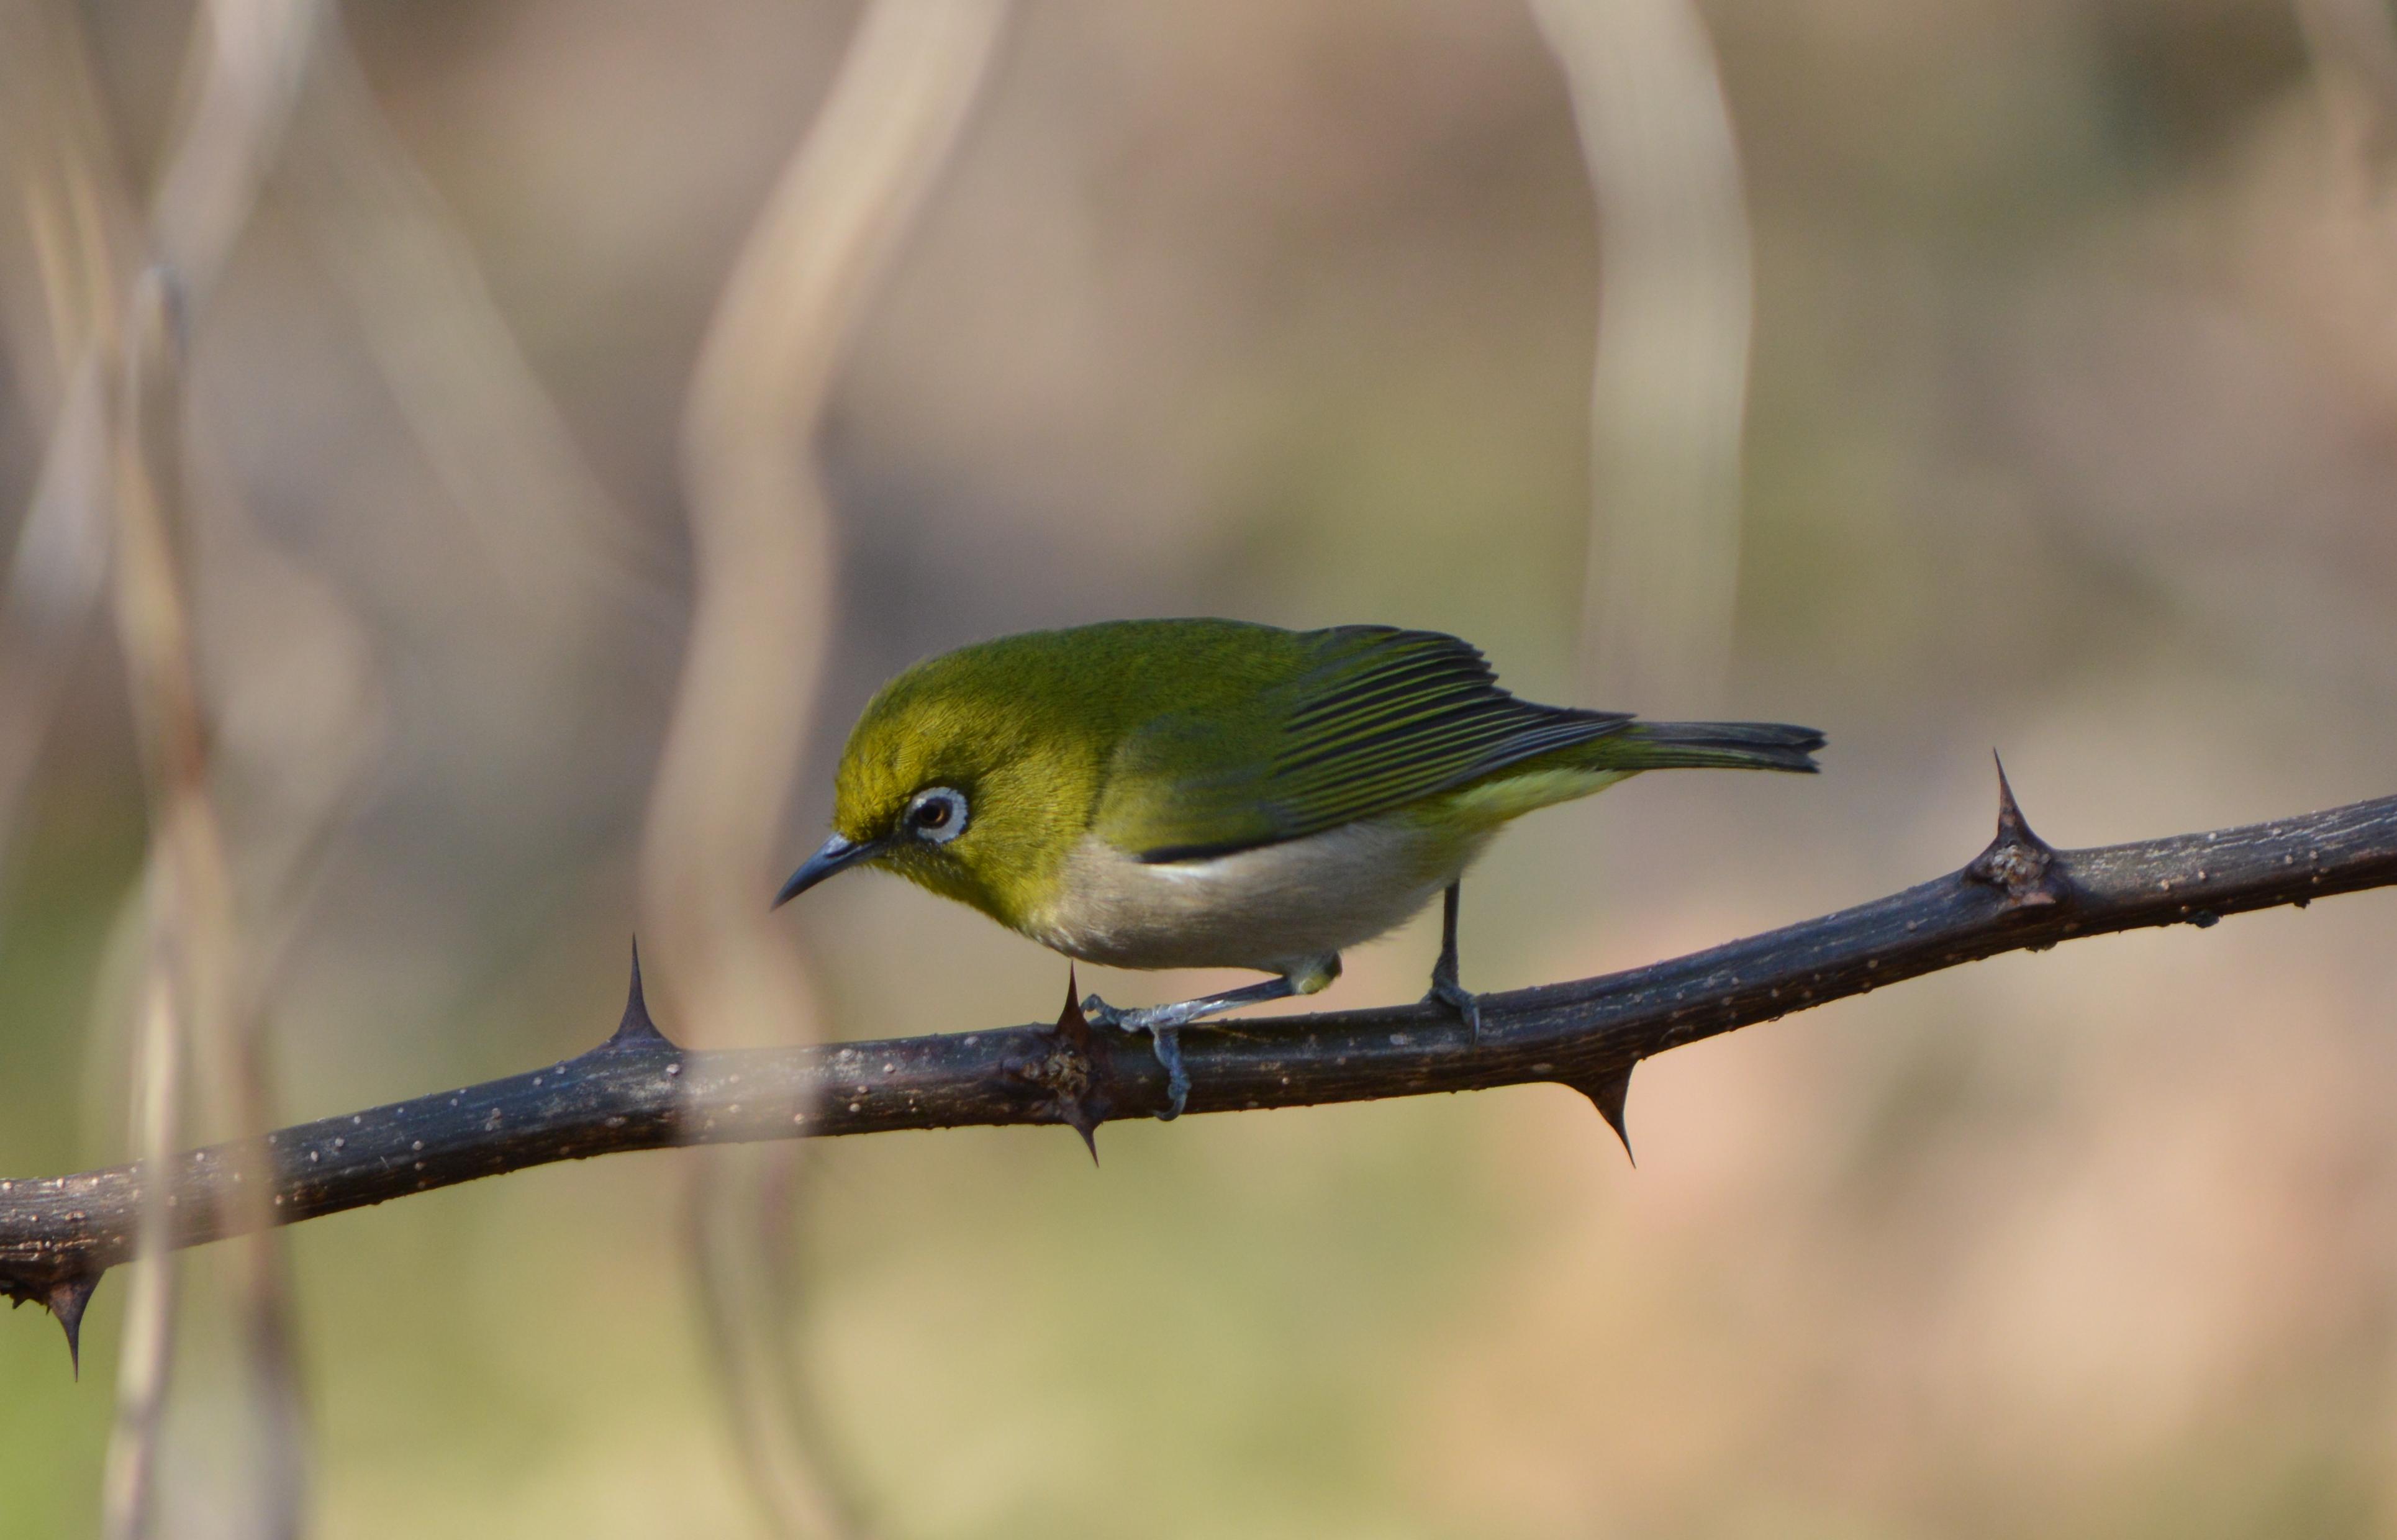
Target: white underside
{"x":1279,"y":909}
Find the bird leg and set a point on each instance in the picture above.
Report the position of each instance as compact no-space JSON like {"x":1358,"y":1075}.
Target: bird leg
{"x":1161,"y":1022}
{"x":1444,"y":988}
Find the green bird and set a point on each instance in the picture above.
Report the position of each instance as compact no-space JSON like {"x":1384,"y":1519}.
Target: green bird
{"x":1214,"y":794}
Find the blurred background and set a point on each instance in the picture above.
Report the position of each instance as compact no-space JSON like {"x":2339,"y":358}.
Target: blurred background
{"x":2071,"y":429}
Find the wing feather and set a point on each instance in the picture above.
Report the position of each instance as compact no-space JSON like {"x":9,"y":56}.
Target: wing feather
{"x":1369,"y":719}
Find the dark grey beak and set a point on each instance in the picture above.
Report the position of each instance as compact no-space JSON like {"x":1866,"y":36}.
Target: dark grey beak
{"x":836,"y":855}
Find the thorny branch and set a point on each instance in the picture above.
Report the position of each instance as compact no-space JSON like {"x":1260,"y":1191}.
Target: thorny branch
{"x":638,"y":1091}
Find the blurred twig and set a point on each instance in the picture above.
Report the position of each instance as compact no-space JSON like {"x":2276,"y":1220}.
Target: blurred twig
{"x":2355,"y":49}
{"x":248,"y":57}
{"x":189,"y":993}
{"x":762,"y":537}
{"x":761,"y":620}
{"x":78,"y":218}
{"x":127,"y":1484}
{"x":1669,"y":387}
{"x":638,"y":1091}
{"x":742,"y":1230}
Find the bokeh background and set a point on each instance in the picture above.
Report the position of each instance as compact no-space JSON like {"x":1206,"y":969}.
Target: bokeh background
{"x":2071,"y":431}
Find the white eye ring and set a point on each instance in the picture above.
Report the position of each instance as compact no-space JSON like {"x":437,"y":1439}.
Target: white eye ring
{"x":937,"y":814}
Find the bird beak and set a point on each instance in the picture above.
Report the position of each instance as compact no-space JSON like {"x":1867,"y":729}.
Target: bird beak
{"x":836,"y":855}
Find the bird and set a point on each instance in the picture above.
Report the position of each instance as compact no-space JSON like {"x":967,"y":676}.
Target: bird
{"x":1201,"y":792}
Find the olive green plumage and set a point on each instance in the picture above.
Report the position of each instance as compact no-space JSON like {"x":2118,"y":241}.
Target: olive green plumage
{"x":1177,"y":739}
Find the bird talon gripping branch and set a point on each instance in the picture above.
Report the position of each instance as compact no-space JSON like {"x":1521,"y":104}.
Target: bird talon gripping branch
{"x":1162,"y":1022}
{"x":1464,"y":1002}
{"x":1212,"y":794}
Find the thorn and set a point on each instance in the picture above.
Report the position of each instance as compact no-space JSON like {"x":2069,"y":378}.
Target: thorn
{"x":1072,"y":1024}
{"x":2010,"y":819}
{"x":1081,"y":1104}
{"x":636,"y":1026}
{"x":66,"y":1300}
{"x":2018,"y":861}
{"x":1608,"y":1093}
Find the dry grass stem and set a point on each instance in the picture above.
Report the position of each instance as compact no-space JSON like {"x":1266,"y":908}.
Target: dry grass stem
{"x":248,"y":57}
{"x":1669,"y":388}
{"x":61,"y":158}
{"x":147,"y":1356}
{"x":764,"y":606}
{"x":2354,"y":48}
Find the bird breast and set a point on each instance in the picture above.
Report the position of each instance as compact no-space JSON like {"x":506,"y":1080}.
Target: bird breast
{"x":1270,"y":908}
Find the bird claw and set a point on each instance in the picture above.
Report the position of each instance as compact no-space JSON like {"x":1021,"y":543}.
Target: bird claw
{"x":1465,"y":1002}
{"x":1162,"y":1023}
{"x":1164,"y":1041}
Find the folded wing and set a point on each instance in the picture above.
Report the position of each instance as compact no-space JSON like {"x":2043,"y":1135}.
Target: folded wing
{"x":1370,"y":719}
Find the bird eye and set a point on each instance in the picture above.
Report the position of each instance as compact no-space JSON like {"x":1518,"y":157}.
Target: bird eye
{"x":938,"y":813}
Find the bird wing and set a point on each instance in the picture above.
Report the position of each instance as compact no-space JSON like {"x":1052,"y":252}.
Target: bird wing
{"x":1368,"y":720}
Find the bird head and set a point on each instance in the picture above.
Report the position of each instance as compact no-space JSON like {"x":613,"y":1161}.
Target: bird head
{"x":969,"y":774}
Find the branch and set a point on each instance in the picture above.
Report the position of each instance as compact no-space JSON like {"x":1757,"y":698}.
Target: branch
{"x":638,"y":1091}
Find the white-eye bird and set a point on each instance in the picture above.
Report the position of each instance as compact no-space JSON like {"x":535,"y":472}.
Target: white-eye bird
{"x":1214,"y":794}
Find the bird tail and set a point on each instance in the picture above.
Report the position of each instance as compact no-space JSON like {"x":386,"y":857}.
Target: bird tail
{"x":1720,"y":746}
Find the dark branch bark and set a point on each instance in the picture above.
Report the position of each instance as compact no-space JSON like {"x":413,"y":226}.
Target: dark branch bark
{"x":638,"y":1091}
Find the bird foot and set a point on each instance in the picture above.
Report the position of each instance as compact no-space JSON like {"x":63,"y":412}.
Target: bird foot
{"x":1162,"y":1022}
{"x":1465,"y":1002}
